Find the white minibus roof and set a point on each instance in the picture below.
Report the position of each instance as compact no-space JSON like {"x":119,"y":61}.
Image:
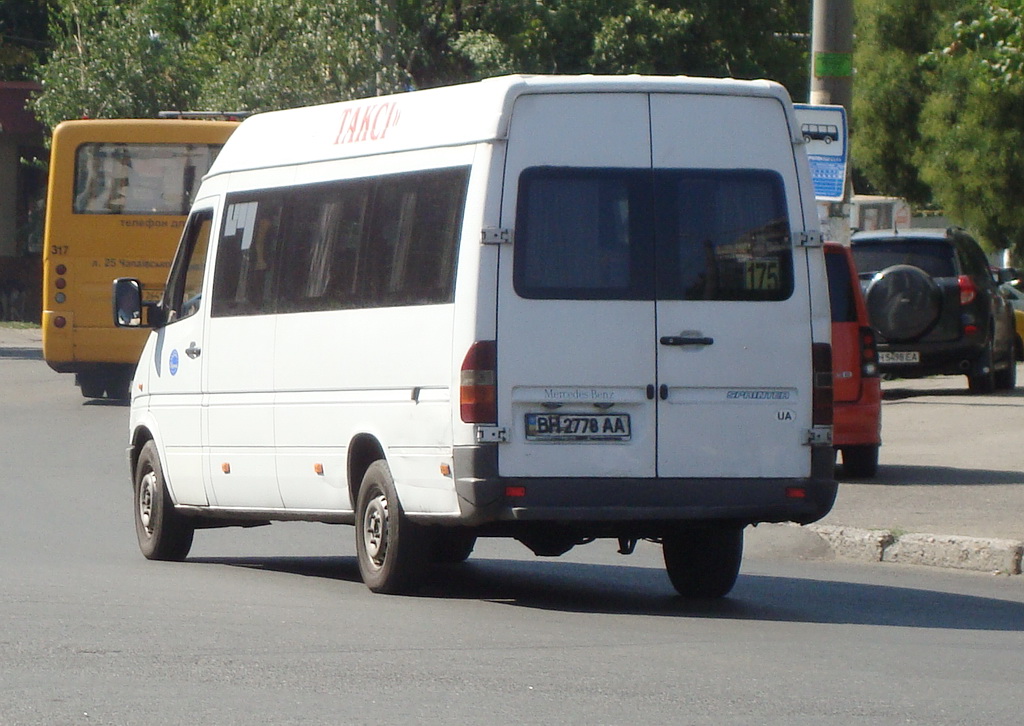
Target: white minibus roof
{"x":448,"y":116}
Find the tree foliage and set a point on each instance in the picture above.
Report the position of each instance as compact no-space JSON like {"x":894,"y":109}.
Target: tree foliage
{"x":136,"y":57}
{"x":456,"y":41}
{"x":939,"y":108}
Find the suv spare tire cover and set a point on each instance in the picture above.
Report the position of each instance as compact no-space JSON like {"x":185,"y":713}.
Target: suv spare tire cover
{"x":903,"y":302}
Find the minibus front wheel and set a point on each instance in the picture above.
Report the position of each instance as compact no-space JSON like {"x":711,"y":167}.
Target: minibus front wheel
{"x":163,"y":533}
{"x":391,"y":550}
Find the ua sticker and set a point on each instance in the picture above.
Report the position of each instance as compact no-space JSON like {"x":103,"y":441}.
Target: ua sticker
{"x":173,"y":363}
{"x":785,"y":415}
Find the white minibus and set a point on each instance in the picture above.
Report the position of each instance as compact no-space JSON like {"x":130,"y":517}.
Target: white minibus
{"x":550,"y":308}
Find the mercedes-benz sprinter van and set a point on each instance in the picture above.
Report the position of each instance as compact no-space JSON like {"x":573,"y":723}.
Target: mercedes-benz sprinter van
{"x":549,"y":308}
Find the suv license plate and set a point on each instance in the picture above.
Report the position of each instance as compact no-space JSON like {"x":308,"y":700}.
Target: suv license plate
{"x":577,"y":427}
{"x":902,"y":356}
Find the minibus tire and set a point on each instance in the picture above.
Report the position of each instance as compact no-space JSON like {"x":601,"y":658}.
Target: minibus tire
{"x":391,"y":550}
{"x":703,"y":562}
{"x":163,"y":533}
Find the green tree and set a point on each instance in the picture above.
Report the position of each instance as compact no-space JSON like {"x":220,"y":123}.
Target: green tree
{"x":136,"y":57}
{"x":457,"y":40}
{"x":972,"y":123}
{"x":890,"y":90}
{"x":939,"y":109}
{"x":116,"y":59}
{"x":264,"y":54}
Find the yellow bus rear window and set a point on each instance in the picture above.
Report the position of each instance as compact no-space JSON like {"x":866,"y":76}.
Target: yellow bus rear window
{"x":139,"y":178}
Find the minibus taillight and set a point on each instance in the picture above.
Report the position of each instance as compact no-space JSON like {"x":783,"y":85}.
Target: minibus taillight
{"x":478,"y":384}
{"x":821,"y":399}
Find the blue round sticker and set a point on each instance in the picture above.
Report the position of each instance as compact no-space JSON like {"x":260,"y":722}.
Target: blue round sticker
{"x":174,"y":361}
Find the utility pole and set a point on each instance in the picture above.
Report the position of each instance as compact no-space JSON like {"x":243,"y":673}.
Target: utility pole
{"x":832,"y":54}
{"x":832,"y":85}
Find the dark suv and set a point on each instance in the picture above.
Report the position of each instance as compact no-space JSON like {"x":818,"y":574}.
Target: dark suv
{"x":936,"y":307}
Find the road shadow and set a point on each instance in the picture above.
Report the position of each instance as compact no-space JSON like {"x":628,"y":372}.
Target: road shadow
{"x":895,"y":393}
{"x":625,"y":590}
{"x":906,"y":475}
{"x":122,"y":402}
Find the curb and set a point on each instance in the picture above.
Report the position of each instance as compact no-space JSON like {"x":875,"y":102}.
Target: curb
{"x":981,"y":554}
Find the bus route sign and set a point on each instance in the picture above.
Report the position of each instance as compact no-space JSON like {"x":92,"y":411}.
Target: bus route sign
{"x":825,"y":133}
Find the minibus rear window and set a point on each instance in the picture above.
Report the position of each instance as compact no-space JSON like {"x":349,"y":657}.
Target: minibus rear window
{"x":634,"y":234}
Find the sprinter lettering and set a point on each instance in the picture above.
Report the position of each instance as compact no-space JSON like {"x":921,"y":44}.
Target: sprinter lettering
{"x":367,"y":123}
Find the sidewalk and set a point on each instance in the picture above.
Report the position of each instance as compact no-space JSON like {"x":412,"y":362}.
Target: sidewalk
{"x":949,"y":491}
{"x":20,"y":338}
{"x":950,"y":485}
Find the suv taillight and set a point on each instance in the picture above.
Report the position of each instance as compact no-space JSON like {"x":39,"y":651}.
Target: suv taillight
{"x":968,"y":290}
{"x":868,"y":353}
{"x":821,"y":398}
{"x":478,"y":399}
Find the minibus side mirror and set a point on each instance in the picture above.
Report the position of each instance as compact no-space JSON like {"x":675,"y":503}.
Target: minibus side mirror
{"x":128,"y":306}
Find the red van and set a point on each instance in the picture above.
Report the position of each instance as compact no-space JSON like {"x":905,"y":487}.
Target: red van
{"x":857,"y":427}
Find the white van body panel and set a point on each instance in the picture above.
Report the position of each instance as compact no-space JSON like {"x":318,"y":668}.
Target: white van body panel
{"x":708,"y":395}
{"x":173,"y":395}
{"x":239,"y":386}
{"x":581,"y":353}
{"x":718,"y":419}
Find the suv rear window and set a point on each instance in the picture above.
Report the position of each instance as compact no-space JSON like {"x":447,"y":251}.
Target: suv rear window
{"x":935,"y":258}
{"x":633,"y":234}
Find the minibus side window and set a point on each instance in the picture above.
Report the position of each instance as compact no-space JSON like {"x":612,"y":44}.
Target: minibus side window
{"x":379,"y":242}
{"x":320,"y":255}
{"x":416,"y":220}
{"x":184,"y":290}
{"x":384,"y":242}
{"x":242,"y":277}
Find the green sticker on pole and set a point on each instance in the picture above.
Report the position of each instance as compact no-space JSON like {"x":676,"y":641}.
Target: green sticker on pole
{"x":833,"y":65}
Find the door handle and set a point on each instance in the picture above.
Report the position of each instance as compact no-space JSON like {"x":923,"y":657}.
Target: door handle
{"x":193,"y":351}
{"x":685,"y":340}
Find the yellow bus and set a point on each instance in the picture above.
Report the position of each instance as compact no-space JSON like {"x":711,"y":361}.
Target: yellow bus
{"x":119,"y":192}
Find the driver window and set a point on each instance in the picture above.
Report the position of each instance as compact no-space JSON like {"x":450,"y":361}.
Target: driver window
{"x":184,"y":291}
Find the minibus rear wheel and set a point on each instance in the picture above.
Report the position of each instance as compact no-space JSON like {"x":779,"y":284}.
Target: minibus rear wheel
{"x":392,"y":551}
{"x":163,"y":533}
{"x":703,"y":562}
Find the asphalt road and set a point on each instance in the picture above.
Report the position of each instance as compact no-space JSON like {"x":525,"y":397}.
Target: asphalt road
{"x":272,"y":625}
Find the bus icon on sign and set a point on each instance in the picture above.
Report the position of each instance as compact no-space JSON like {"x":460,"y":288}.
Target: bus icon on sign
{"x":820,"y":132}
